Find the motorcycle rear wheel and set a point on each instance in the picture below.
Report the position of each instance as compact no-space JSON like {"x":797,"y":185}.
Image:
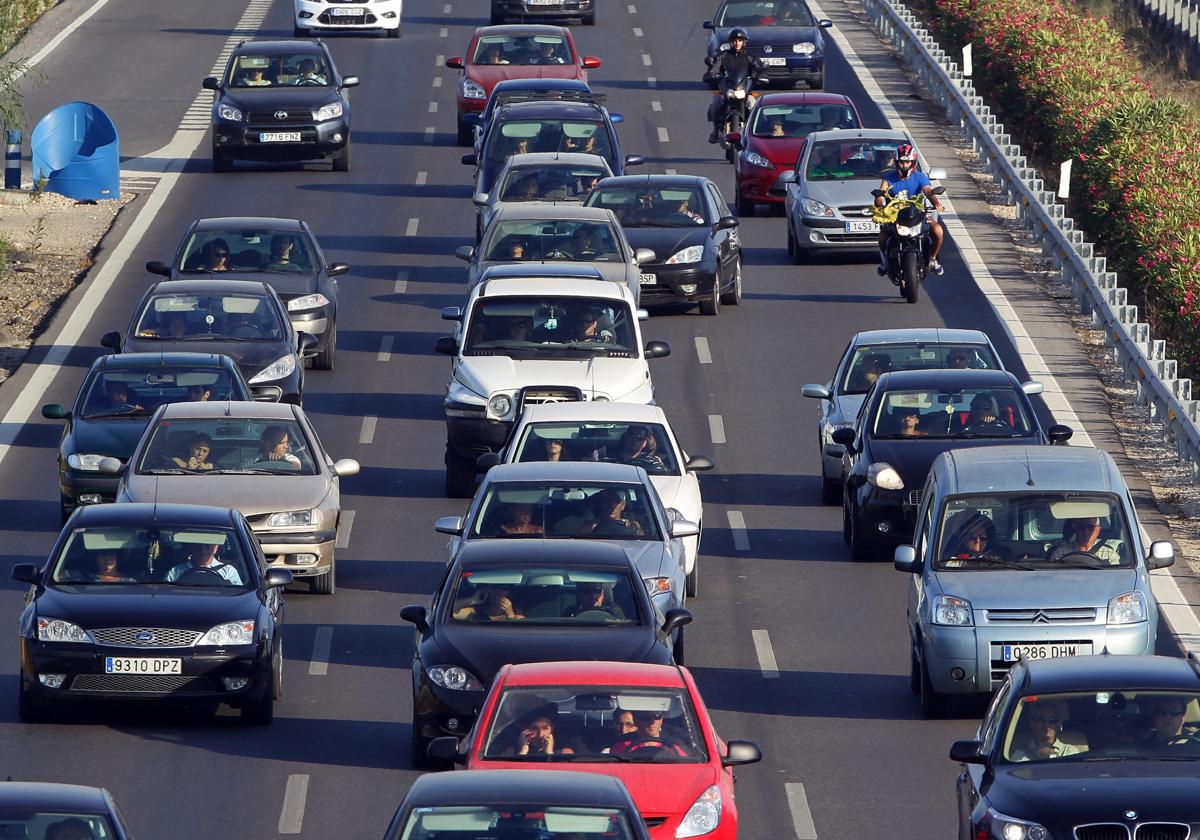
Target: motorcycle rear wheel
{"x":910,"y":276}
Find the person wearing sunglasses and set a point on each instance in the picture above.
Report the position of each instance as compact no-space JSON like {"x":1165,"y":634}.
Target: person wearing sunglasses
{"x":974,"y":541}
{"x":1167,"y":731}
{"x":648,"y":739}
{"x":1042,"y":723}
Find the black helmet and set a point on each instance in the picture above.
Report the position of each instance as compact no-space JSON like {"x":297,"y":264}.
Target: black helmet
{"x":738,"y":32}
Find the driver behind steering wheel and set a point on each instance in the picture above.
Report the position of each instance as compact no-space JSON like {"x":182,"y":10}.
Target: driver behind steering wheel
{"x":648,"y":737}
{"x":1082,"y":536}
{"x":593,"y":596}
{"x":203,"y":557}
{"x":984,"y":414}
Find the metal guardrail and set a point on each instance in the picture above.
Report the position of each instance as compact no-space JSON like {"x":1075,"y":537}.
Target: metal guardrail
{"x":1142,"y":358}
{"x":1183,"y":16}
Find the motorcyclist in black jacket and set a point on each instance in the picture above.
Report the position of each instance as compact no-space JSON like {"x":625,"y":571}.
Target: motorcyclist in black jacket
{"x":733,"y":58}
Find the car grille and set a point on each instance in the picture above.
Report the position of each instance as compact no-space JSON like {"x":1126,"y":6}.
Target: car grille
{"x":267,"y":119}
{"x":354,"y":20}
{"x":541,"y":395}
{"x":1162,"y":831}
{"x":140,"y":684}
{"x":1102,"y":831}
{"x":856,"y":211}
{"x":359,"y":2}
{"x":1066,"y":615}
{"x":128,"y":637}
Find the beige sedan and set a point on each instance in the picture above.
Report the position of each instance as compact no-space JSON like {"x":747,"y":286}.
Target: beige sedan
{"x":263,"y":459}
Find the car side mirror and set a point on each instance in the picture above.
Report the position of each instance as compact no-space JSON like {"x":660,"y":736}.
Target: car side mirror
{"x":344,"y":467}
{"x":415,"y":614}
{"x":634,"y":160}
{"x":681,"y":528}
{"x":905,"y":558}
{"x":741,"y":752}
{"x":469,"y":159}
{"x":111,"y":340}
{"x":967,"y":752}
{"x":815,"y":392}
{"x":446,"y":345}
{"x":276,"y":578}
{"x":466,"y":253}
{"x":349,"y":81}
{"x":936,"y":173}
{"x":211,"y":83}
{"x":728,"y":222}
{"x":446,"y":748}
{"x":54,"y":411}
{"x":110,"y":465}
{"x":1059,"y":434}
{"x":643,"y":315}
{"x":657,"y":349}
{"x":480,"y":199}
{"x":698,"y":463}
{"x":337,"y":269}
{"x":708,"y":24}
{"x":486,"y":461}
{"x":590,"y":62}
{"x":451,"y":525}
{"x":26,"y":573}
{"x":159,"y":268}
{"x":787,"y":177}
{"x":616,"y":119}
{"x":1162,"y":554}
{"x":844,"y":437}
{"x":452,"y":313}
{"x":454,"y":62}
{"x":306,"y":345}
{"x":676,"y":617}
{"x":641,"y":256}
{"x":825,"y":23}
{"x":1032,"y":388}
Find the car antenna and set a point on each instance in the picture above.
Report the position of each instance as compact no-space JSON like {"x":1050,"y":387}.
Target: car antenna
{"x":1029,"y":471}
{"x":228,"y":404}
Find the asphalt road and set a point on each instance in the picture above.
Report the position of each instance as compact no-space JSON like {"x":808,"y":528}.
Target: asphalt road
{"x":794,"y":646}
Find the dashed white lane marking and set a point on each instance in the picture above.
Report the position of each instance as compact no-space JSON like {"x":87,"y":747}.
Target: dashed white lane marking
{"x":437,"y":81}
{"x":422,"y":178}
{"x":632,"y":9}
{"x":401,"y":284}
{"x":802,"y":820}
{"x":439,"y":60}
{"x":443,"y":32}
{"x":345,"y":525}
{"x":447,"y":9}
{"x":663,"y":136}
{"x":367,"y":434}
{"x":672,"y":172}
{"x":429,"y":133}
{"x":411,"y":229}
{"x":766,"y":654}
{"x":737,"y":526}
{"x":656,"y":106}
{"x":716,"y":428}
{"x":637,"y":32}
{"x":319,"y":666}
{"x":702,"y":351}
{"x":651,"y":82}
{"x":433,"y":106}
{"x":646,"y":59}
{"x":291,"y":818}
{"x":385,"y":348}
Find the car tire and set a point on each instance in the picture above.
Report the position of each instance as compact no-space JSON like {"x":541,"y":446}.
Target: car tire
{"x":845,"y":520}
{"x":914,"y":673}
{"x":860,"y":546}
{"x":394,"y":33}
{"x":300,"y":32}
{"x":64,"y":510}
{"x":934,"y":706}
{"x":324,"y":584}
{"x":831,"y":490}
{"x":744,"y":208}
{"x":733,"y":297}
{"x":691,"y":586}
{"x":263,"y":712}
{"x":417,"y":746}
{"x":220,"y":163}
{"x":712,"y":304}
{"x":818,"y":82}
{"x":460,"y":476}
{"x":791,"y":238}
{"x":677,"y":650}
{"x":466,"y":134}
{"x":324,"y":360}
{"x":28,"y":709}
{"x":588,"y":20}
{"x":341,"y":161}
{"x":277,"y":685}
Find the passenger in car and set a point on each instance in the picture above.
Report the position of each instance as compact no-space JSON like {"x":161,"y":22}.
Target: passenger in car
{"x":198,"y":452}
{"x":490,"y":603}
{"x":72,"y":828}
{"x":909,"y":420}
{"x":538,"y":737}
{"x":973,"y":540}
{"x":518,"y":522}
{"x":108,"y":568}
{"x":1042,"y":722}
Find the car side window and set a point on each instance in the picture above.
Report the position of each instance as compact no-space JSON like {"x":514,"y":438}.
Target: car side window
{"x":990,"y":724}
{"x":719,"y":208}
{"x":925,"y":517}
{"x":840,"y":373}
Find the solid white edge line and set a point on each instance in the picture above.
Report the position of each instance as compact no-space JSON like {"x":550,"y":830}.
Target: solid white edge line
{"x":737,"y":527}
{"x":345,"y":525}
{"x":766,"y":654}
{"x":291,"y":816}
{"x":367,"y":433}
{"x":702,"y":351}
{"x":385,"y":348}
{"x":716,"y":428}
{"x":802,"y":820}
{"x":411,"y":228}
{"x":53,"y":43}
{"x":322,"y":643}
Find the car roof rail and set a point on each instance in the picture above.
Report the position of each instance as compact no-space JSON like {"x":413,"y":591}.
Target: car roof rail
{"x":1194,"y":660}
{"x":507,"y":97}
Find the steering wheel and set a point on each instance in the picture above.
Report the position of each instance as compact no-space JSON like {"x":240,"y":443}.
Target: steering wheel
{"x":996,"y":425}
{"x":202,"y":574}
{"x":615,"y":528}
{"x":656,"y":745}
{"x":303,"y":82}
{"x":559,"y":254}
{"x":596,"y":613}
{"x":587,"y":254}
{"x":1088,"y":555}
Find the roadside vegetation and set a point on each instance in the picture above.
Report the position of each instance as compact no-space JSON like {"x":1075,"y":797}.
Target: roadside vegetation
{"x":16,"y":16}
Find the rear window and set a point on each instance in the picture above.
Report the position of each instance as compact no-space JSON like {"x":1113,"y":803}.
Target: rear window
{"x":869,"y":361}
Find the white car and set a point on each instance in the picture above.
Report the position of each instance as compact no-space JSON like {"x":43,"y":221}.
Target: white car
{"x":537,"y":334}
{"x":622,"y":433}
{"x":319,"y":17}
{"x":540,"y":176}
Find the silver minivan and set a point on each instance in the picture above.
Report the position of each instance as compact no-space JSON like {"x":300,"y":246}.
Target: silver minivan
{"x":1023,"y":553}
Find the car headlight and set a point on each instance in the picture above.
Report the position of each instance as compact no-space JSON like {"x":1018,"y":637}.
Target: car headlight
{"x":453,"y":678}
{"x":330,"y":112}
{"x":812,"y":207}
{"x":228,"y":112}
{"x":1010,"y":828}
{"x":293,"y":518}
{"x":281,"y":367}
{"x":500,"y":405}
{"x":86,"y":463}
{"x":704,"y":815}
{"x":691,"y":254}
{"x":657,"y":585}
{"x":905,"y":230}
{"x":952,"y":612}
{"x":471,"y":90}
{"x":57,"y":630}
{"x":804,"y":48}
{"x":1128,"y":608}
{"x":307,"y":302}
{"x":755,"y":159}
{"x":884,"y":476}
{"x":232,"y":633}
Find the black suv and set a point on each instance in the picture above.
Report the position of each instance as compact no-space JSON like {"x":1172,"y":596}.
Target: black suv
{"x":281,"y":101}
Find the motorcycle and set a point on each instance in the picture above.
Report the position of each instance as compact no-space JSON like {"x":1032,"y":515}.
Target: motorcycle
{"x":736,"y":96}
{"x":909,"y":241}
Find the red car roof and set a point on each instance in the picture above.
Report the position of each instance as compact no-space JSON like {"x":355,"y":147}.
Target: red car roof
{"x":802,"y":97}
{"x":593,"y":673}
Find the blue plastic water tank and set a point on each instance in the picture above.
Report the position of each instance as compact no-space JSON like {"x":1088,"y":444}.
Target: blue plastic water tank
{"x":77,"y":149}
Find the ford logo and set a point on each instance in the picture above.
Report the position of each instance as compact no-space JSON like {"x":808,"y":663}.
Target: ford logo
{"x":144,"y":636}
{"x":768,"y":49}
{"x":281,"y":115}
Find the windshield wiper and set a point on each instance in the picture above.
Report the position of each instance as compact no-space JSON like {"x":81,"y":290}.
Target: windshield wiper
{"x":1066,"y":560}
{"x":246,"y":471}
{"x":133,"y":412}
{"x":578,"y":347}
{"x":166,"y":471}
{"x":987,"y":561}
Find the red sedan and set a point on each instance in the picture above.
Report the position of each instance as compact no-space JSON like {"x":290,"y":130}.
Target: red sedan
{"x":644,"y":724}
{"x":498,"y":53}
{"x":775,"y":136}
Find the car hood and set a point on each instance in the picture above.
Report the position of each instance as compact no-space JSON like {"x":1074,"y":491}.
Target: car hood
{"x":183,"y":607}
{"x":1018,"y":589}
{"x":669,"y":488}
{"x":1069,"y":792}
{"x":779,"y":150}
{"x":912,"y":458}
{"x":856,"y":191}
{"x":487,"y":375}
{"x":287,"y":285}
{"x":490,"y":75}
{"x":776,"y":36}
{"x":250,"y":356}
{"x":665,"y":242}
{"x":108,"y":436}
{"x":251,"y":494}
{"x":307,"y":98}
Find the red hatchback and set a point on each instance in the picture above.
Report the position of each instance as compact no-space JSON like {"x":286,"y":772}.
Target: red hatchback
{"x":774,"y":137}
{"x":499,"y":53}
{"x":644,"y":724}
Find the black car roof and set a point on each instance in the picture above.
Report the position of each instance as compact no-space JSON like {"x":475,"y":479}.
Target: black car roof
{"x":653,"y":181}
{"x":1110,"y":672}
{"x":495,"y":787}
{"x":541,"y":83}
{"x":946,"y":378}
{"x":252,"y":222}
{"x":51,"y":796}
{"x":140,"y":513}
{"x":120,"y":361}
{"x":210,"y":285}
{"x":556,"y":109}
{"x":506,"y":552}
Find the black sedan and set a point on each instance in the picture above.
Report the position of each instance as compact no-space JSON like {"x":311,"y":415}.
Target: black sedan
{"x":152,"y":602}
{"x":529,"y":803}
{"x":685,"y":221}
{"x":284,"y":253}
{"x":526,"y":601}
{"x":114,"y":404}
{"x":48,"y":809}
{"x":280,"y":101}
{"x":784,"y":35}
{"x":907,"y":420}
{"x":1091,"y":748}
{"x":242,"y":319}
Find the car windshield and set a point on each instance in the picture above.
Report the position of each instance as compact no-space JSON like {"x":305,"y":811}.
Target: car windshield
{"x":536,"y":326}
{"x":524,"y":240}
{"x":208,"y":317}
{"x":223,"y":445}
{"x":279,"y":70}
{"x":549,"y":183}
{"x":518,"y":137}
{"x":539,"y":595}
{"x":850,"y":160}
{"x":765,"y":13}
{"x":106,"y":556}
{"x":800,"y":120}
{"x":589,"y":723}
{"x":569,"y":510}
{"x":871,"y":360}
{"x":1033,"y":531}
{"x":1111,"y":725}
{"x":645,"y":445}
{"x":30,"y":823}
{"x":138,"y":391}
{"x":474,"y":822}
{"x":651,"y":206}
{"x":272,"y":251}
{"x":522,"y":49}
{"x":962,"y":413}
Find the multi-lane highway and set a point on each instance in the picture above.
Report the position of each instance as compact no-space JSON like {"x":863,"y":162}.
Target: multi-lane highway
{"x":793,"y":645}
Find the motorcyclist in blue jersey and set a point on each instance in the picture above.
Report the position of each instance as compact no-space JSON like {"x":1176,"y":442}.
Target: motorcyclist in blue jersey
{"x":906,"y":181}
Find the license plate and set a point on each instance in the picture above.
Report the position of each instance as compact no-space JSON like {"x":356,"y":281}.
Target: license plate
{"x":347,"y":12}
{"x":774,"y":62}
{"x":279,"y":137}
{"x":647,"y":279}
{"x":862,"y":227}
{"x":142,"y":665}
{"x":544,"y":2}
{"x":1011,"y":653}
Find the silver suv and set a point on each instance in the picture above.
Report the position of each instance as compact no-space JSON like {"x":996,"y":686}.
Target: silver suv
{"x":1023,"y":553}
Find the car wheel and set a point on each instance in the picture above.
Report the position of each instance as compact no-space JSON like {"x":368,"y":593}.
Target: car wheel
{"x":744,"y":208}
{"x":818,"y":82}
{"x":589,"y":20}
{"x":712,"y":304}
{"x":277,"y":688}
{"x":300,"y":32}
{"x":466,"y":134}
{"x":791,"y":238}
{"x":341,"y":161}
{"x":417,"y":746}
{"x":933,"y":705}
{"x":692,"y":585}
{"x":799,"y":255}
{"x":460,"y":475}
{"x":262,"y":712}
{"x":734,"y":296}
{"x":29,"y":709}
{"x":831,"y":490}
{"x":914,"y":672}
{"x":394,"y":33}
{"x":324,"y":584}
{"x":860,"y":546}
{"x":677,"y":650}
{"x":64,"y":510}
{"x":220,"y":163}
{"x":324,"y":359}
